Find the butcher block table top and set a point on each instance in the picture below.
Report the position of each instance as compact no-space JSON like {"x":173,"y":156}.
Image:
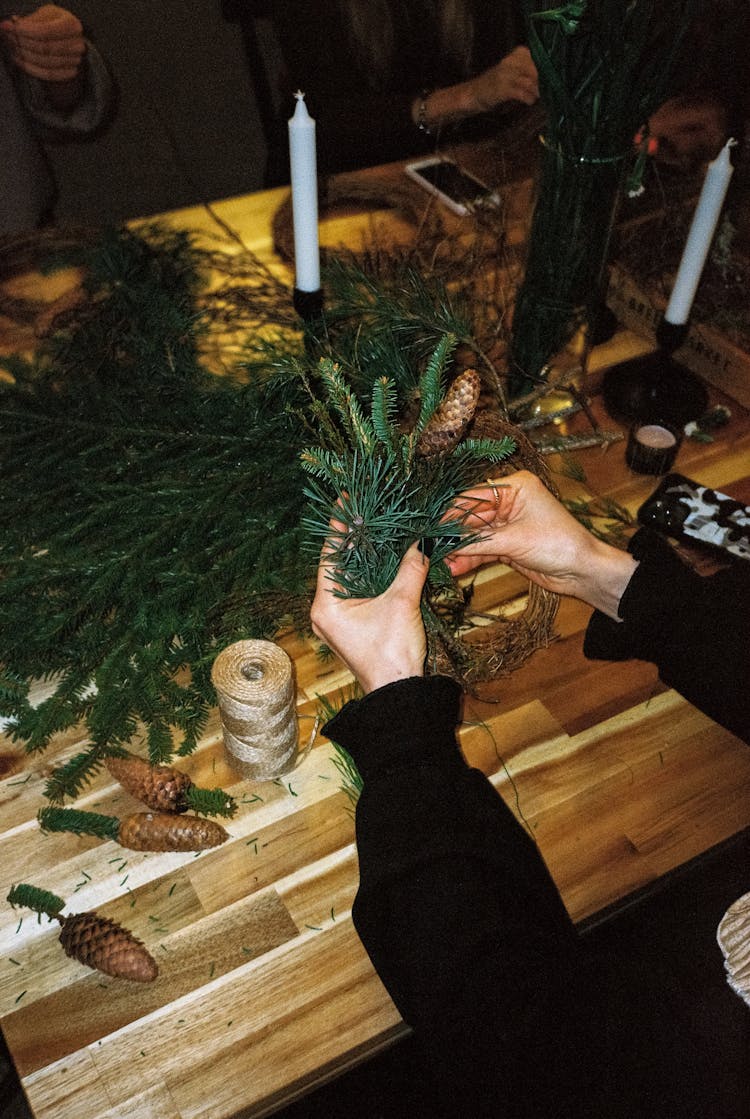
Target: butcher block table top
{"x":264,"y":990}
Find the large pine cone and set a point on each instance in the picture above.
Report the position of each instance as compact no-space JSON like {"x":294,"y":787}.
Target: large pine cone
{"x":162,"y":831}
{"x":101,"y":943}
{"x":159,"y":786}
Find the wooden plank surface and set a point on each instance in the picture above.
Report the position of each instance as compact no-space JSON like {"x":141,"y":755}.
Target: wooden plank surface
{"x":264,"y":989}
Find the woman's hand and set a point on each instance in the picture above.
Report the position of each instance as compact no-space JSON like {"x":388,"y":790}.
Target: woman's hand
{"x":380,"y":639}
{"x":525,"y":526}
{"x":514,"y":78}
{"x":48,"y":44}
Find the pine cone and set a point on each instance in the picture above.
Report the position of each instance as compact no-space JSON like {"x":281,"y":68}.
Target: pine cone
{"x":104,"y":945}
{"x":451,"y":419}
{"x":160,"y":831}
{"x":159,"y":786}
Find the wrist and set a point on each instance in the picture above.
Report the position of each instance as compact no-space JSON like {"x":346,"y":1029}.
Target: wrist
{"x":434,"y":108}
{"x":380,"y":675}
{"x":420,"y":113}
{"x":604,"y":576}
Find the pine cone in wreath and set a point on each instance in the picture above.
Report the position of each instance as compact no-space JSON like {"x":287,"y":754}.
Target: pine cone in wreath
{"x":449,"y":422}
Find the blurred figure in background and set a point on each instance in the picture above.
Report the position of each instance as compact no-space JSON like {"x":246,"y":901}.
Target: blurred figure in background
{"x":53,"y":82}
{"x":388,"y":80}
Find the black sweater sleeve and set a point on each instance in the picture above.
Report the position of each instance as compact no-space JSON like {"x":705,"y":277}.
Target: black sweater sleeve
{"x":456,"y":907}
{"x":694,"y":628}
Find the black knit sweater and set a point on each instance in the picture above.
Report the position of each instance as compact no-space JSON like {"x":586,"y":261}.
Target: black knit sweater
{"x":455,"y":905}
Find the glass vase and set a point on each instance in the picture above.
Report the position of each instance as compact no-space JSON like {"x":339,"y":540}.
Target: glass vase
{"x":563,"y":289}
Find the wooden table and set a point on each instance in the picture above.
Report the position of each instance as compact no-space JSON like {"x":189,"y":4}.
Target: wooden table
{"x":264,"y":989}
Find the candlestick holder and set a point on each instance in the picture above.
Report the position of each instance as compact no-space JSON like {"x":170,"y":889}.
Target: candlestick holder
{"x":309,"y":307}
{"x":655,"y":385}
{"x":308,"y":304}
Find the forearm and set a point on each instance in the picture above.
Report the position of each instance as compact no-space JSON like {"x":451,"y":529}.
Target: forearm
{"x":603,"y":576}
{"x":455,"y":904}
{"x":435,"y":108}
{"x":693,"y":628}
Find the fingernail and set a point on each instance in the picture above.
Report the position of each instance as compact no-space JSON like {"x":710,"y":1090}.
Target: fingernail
{"x":426,"y":547}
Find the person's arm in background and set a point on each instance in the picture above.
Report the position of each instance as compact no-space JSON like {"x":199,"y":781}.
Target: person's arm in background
{"x":455,"y":905}
{"x":513,"y":78}
{"x":63,"y":80}
{"x":361,"y":126}
{"x":649,"y":604}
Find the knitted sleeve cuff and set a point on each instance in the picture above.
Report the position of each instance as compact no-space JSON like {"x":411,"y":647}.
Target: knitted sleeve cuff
{"x":403,"y":722}
{"x":647,"y":607}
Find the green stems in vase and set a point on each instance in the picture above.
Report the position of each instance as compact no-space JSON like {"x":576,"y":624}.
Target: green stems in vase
{"x":564,"y":279}
{"x":604,"y":66}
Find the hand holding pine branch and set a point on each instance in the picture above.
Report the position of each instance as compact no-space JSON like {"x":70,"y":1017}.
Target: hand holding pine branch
{"x":387,"y":487}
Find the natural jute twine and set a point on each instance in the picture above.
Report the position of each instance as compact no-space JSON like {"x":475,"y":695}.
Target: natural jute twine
{"x":254,"y":682}
{"x":733,"y":935}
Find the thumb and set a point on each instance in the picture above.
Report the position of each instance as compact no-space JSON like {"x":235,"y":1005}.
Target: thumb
{"x":412,"y":574}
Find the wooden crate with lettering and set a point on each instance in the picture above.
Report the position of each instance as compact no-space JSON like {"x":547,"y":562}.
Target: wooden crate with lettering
{"x":706,"y":351}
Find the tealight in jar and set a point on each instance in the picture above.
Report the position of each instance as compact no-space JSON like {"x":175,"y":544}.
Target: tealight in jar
{"x":652,"y":446}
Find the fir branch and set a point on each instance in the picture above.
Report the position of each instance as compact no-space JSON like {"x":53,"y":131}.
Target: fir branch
{"x":211,"y":802}
{"x":137,"y":513}
{"x":71,"y":777}
{"x":432,"y":383}
{"x":80,"y":823}
{"x":151,"y":513}
{"x":384,"y":409}
{"x":32,"y":897}
{"x":357,"y":427}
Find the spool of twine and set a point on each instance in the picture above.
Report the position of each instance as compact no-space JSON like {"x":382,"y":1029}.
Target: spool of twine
{"x":254,"y":682}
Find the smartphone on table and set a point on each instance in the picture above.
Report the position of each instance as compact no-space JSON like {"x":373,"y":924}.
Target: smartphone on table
{"x":456,"y":188}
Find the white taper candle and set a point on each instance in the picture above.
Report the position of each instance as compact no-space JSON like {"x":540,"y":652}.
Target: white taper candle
{"x":699,"y":239}
{"x":304,"y":175}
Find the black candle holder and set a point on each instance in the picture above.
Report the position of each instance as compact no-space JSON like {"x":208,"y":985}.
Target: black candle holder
{"x":655,"y":385}
{"x":309,"y":307}
{"x":308,"y":304}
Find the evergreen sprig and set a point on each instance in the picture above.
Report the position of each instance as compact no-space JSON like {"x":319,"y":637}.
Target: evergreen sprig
{"x":33,"y":897}
{"x":604,"y":66}
{"x":380,"y":492}
{"x":351,"y":779}
{"x":79,"y":823}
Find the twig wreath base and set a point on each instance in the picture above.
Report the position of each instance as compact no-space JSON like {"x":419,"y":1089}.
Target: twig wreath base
{"x":487,"y":652}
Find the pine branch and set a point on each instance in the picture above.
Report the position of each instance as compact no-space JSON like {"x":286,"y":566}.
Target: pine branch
{"x":32,"y":897}
{"x":80,"y":823}
{"x":384,"y":495}
{"x":68,"y":779}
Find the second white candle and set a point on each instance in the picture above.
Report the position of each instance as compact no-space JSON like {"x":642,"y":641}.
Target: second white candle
{"x":699,"y":239}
